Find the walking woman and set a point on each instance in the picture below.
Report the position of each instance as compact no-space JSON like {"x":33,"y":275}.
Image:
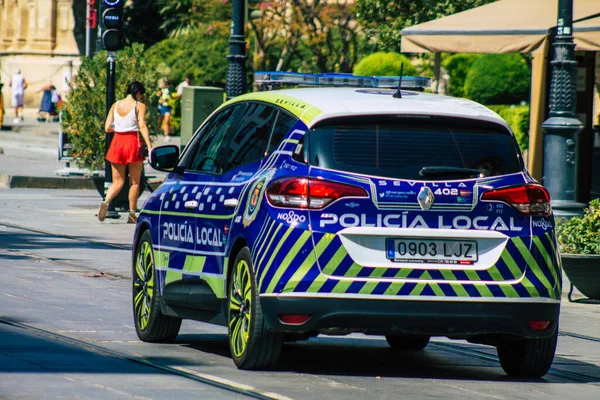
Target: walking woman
{"x":127,"y":119}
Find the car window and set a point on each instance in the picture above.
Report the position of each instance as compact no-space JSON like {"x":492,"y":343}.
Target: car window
{"x":415,"y":150}
{"x":209,"y":149}
{"x":248,"y":141}
{"x":283,"y":125}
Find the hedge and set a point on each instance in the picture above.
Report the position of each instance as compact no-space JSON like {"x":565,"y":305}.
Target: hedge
{"x":384,"y":64}
{"x":499,"y":79}
{"x":518,"y":119}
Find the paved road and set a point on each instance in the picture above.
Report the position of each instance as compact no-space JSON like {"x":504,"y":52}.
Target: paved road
{"x":66,"y":332}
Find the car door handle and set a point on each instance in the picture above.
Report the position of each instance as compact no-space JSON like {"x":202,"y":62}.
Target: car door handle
{"x":231,"y":203}
{"x":190,"y":205}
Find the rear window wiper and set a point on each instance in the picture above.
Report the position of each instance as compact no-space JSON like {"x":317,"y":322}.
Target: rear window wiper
{"x":441,"y":170}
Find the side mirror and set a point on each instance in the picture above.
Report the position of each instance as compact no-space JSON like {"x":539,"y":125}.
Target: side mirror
{"x":164,"y":158}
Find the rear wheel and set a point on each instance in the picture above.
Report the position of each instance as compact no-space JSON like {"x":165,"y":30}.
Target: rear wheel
{"x":405,"y":342}
{"x":527,"y":358}
{"x":150,"y":323}
{"x":251,"y":344}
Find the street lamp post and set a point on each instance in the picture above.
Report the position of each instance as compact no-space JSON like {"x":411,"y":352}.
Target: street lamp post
{"x":236,"y":60}
{"x":561,"y":130}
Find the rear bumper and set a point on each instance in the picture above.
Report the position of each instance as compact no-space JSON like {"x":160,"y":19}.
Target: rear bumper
{"x":433,"y":318}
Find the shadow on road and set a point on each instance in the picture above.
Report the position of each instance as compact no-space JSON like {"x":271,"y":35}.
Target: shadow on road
{"x":374,"y":358}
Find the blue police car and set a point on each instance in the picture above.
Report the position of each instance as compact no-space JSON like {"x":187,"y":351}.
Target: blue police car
{"x":353,"y":208}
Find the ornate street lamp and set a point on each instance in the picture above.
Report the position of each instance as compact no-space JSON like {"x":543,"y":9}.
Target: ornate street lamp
{"x":562,"y":129}
{"x":235,"y":84}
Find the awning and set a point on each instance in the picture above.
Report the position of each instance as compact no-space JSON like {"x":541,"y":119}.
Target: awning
{"x":505,"y":26}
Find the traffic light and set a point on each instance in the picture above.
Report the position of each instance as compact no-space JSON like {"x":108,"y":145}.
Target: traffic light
{"x":112,"y":24}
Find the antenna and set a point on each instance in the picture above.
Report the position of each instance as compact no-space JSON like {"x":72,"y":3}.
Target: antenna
{"x":398,"y":94}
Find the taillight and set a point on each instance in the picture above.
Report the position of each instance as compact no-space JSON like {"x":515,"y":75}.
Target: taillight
{"x":526,"y":199}
{"x":309,"y":193}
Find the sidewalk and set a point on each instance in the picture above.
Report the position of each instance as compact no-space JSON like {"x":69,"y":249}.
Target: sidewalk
{"x":29,"y":157}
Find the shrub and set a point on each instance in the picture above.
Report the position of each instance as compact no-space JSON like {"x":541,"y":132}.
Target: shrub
{"x":384,"y":64}
{"x":580,"y":235}
{"x":458,"y":66}
{"x":499,"y":79}
{"x":202,"y":54}
{"x":518,"y":119}
{"x":84,"y":109}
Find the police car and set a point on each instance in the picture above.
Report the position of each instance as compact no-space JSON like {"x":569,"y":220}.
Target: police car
{"x":356,"y":207}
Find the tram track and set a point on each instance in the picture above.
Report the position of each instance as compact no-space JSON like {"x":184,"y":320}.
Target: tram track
{"x":210,"y":380}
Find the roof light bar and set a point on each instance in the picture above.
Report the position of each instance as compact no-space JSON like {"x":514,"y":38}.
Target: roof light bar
{"x":347,"y":80}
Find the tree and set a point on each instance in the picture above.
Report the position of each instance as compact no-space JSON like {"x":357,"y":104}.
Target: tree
{"x":385,"y":19}
{"x":182,"y":17}
{"x":84,"y":109}
{"x":307,"y":35}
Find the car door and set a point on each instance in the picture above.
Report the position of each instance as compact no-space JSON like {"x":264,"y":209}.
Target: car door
{"x":181,"y":252}
{"x":206,"y":205}
{"x":242,"y":156}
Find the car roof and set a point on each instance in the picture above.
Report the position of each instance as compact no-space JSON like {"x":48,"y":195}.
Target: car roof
{"x":313,"y":105}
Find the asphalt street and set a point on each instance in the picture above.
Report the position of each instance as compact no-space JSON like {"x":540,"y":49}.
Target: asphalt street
{"x":66,"y":331}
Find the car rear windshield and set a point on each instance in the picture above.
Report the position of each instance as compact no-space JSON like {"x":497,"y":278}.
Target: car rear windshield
{"x":414,"y":149}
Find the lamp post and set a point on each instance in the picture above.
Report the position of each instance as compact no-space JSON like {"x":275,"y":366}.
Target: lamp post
{"x":561,"y":130}
{"x":235,"y":84}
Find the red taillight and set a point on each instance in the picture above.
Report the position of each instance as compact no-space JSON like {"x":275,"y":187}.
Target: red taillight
{"x":526,"y":199}
{"x":293,"y":319}
{"x":539,"y":325}
{"x":309,"y":193}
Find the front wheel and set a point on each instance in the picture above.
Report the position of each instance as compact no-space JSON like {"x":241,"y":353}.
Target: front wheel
{"x":150,"y":323}
{"x":527,"y":358}
{"x":251,"y":344}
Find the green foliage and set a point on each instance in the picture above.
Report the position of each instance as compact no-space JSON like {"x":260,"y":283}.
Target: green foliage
{"x":384,"y":64}
{"x":307,"y":36}
{"x":183,"y":17}
{"x":499,"y":79}
{"x":580,"y":235}
{"x":458,"y":66}
{"x":202,"y":54}
{"x":518,"y":119}
{"x":84,"y":109}
{"x":385,"y":19}
{"x":141,"y":20}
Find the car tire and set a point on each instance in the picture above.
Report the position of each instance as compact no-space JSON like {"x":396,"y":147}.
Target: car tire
{"x":251,"y":344}
{"x":527,"y":358}
{"x":150,"y":323}
{"x":405,"y":342}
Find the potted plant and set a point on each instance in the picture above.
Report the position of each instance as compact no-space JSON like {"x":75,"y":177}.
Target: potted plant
{"x":579,"y":245}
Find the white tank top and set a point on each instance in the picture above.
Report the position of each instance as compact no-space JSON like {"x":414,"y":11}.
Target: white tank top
{"x":18,"y":84}
{"x":127,"y":123}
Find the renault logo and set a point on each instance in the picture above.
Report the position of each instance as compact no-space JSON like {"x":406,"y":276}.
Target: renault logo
{"x":425,"y":198}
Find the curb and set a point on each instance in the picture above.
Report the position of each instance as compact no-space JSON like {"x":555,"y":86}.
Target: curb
{"x":43,"y":182}
{"x":40,"y":182}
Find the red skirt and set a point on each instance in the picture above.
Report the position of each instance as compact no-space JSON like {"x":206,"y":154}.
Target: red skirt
{"x":124,"y":148}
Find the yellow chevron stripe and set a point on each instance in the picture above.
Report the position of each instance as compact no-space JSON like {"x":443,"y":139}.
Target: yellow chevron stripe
{"x":533,"y":265}
{"x":308,"y":263}
{"x":269,"y":264}
{"x":287,"y":260}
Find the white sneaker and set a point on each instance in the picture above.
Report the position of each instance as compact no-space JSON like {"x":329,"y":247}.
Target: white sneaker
{"x":16,"y":121}
{"x":167,"y":139}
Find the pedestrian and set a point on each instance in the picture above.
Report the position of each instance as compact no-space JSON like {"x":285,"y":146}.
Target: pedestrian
{"x":164,"y":108}
{"x":184,"y":84}
{"x":127,"y":119}
{"x":18,"y":85}
{"x":46,"y":105}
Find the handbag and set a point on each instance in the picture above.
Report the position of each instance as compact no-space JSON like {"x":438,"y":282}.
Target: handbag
{"x":142,"y":150}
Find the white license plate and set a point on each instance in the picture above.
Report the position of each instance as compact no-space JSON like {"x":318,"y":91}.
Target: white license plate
{"x":442,"y":251}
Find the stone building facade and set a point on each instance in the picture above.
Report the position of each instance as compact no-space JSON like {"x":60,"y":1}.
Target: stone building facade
{"x":37,"y":37}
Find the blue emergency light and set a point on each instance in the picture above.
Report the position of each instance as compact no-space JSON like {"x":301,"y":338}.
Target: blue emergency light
{"x":265,"y":78}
